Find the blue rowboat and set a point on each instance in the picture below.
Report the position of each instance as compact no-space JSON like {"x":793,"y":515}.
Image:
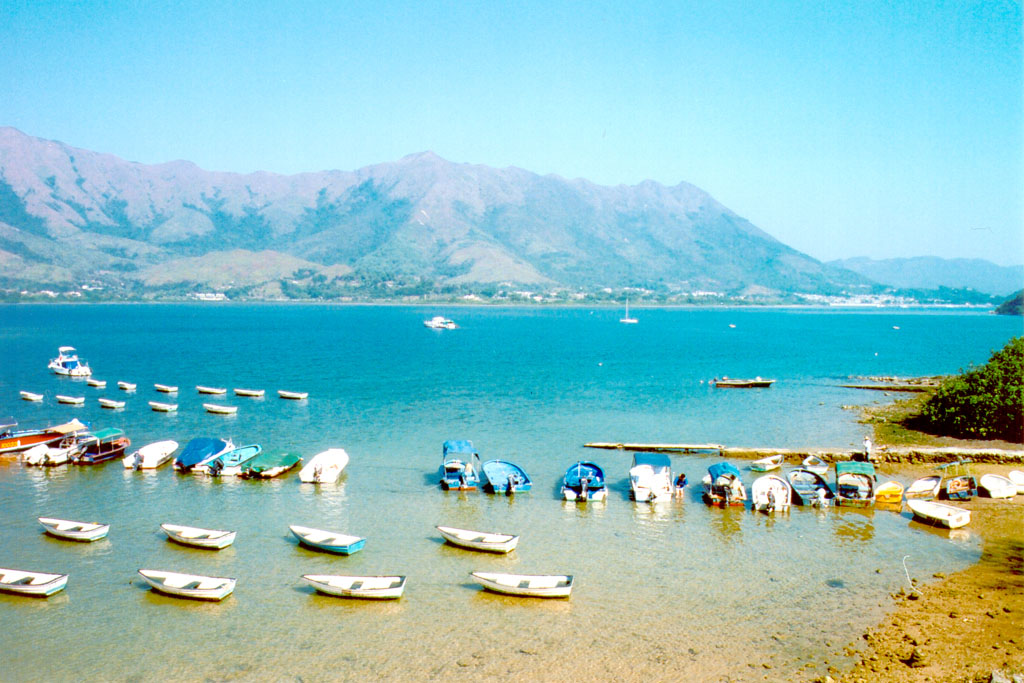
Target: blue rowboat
{"x":584,"y":481}
{"x":505,"y":477}
{"x":329,"y":541}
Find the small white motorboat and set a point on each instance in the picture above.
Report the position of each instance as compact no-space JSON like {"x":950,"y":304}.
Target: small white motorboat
{"x":526,"y":585}
{"x":925,"y":488}
{"x":251,"y":393}
{"x":220,"y":409}
{"x":768,"y":464}
{"x":163,"y":407}
{"x":29,"y":396}
{"x":71,"y":400}
{"x":771,"y":493}
{"x":479,"y":540}
{"x":210,"y":390}
{"x":31,"y":583}
{"x":330,"y":541}
{"x":52,"y":456}
{"x":126,"y":386}
{"x":939,"y":514}
{"x":151,"y":455}
{"x":98,"y":383}
{"x":996,"y":486}
{"x":367,"y":587}
{"x":192,"y":586}
{"x":111,"y":403}
{"x":74,"y":531}
{"x":439,"y":322}
{"x":815,"y":464}
{"x":166,"y":388}
{"x":293,"y":395}
{"x":324,"y":467}
{"x":650,"y":477}
{"x":211,"y":539}
{"x":68,"y":363}
{"x":1017,"y":477}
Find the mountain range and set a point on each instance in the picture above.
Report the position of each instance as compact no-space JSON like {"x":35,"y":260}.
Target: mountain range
{"x":931,"y":272}
{"x":69,"y":215}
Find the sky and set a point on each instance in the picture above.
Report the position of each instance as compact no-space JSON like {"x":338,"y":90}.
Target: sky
{"x":841,"y":127}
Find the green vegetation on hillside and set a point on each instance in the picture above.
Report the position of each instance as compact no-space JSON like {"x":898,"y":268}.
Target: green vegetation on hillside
{"x":1012,"y":306}
{"x":980,"y":403}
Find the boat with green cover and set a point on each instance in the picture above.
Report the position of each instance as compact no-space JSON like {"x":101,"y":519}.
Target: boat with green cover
{"x":269,"y":465}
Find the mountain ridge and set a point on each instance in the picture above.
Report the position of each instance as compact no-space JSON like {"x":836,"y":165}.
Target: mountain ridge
{"x":933,"y":272}
{"x":72,"y":214}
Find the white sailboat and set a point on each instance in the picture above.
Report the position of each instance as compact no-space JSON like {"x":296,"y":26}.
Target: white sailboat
{"x":627,"y":320}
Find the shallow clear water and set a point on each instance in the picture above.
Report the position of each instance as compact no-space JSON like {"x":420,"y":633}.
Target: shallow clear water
{"x":672,"y":590}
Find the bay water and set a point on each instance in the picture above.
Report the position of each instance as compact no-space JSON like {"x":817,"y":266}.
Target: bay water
{"x":671,"y":591}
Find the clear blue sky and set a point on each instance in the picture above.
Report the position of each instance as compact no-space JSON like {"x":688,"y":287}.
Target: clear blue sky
{"x":843,"y":128}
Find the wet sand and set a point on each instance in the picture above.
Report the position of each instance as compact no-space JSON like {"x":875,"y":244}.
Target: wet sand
{"x":960,"y":627}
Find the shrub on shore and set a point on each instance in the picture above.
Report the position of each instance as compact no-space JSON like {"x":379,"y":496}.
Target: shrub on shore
{"x":980,"y":403}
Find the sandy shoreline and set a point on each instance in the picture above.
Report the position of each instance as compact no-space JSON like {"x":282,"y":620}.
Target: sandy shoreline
{"x":955,"y":628}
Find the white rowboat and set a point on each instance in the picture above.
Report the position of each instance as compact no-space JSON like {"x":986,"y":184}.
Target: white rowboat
{"x":29,"y":396}
{"x":165,"y":388}
{"x":293,"y":395}
{"x":98,"y":383}
{"x":74,"y":531}
{"x":31,"y":583}
{"x":111,"y":403}
{"x":211,"y":539}
{"x":479,"y":540}
{"x":126,"y":386}
{"x":367,"y":587}
{"x":939,"y":514}
{"x":220,"y":409}
{"x":526,"y":585}
{"x":210,"y":390}
{"x":151,"y":456}
{"x":192,"y":586}
{"x":996,"y":486}
{"x":925,"y":487}
{"x":1017,"y":477}
{"x":768,"y":464}
{"x":71,"y":400}
{"x":163,"y":407}
{"x":815,"y":464}
{"x":251,"y":393}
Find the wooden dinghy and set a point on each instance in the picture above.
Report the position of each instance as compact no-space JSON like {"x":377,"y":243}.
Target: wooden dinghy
{"x":163,"y":407}
{"x":29,"y":396}
{"x":38,"y":584}
{"x":192,"y":586}
{"x":889,"y":493}
{"x":111,"y":403}
{"x":526,"y":585}
{"x":165,"y":388}
{"x":218,"y":409}
{"x":293,"y":395}
{"x":324,"y":467}
{"x":126,"y":386}
{"x":251,"y":393}
{"x":329,"y":541}
{"x":74,"y":531}
{"x":1017,"y":477}
{"x":210,"y":390}
{"x":479,"y":540}
{"x":996,"y":486}
{"x":772,"y":462}
{"x":813,"y":463}
{"x":210,"y":539}
{"x":770,"y":493}
{"x":809,"y":488}
{"x":98,"y":383}
{"x":151,"y":456}
{"x":925,"y":488}
{"x":70,"y":400}
{"x":939,"y":514}
{"x":366,"y":587}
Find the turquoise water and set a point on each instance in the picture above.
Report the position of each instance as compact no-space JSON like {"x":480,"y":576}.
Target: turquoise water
{"x":664,"y":590}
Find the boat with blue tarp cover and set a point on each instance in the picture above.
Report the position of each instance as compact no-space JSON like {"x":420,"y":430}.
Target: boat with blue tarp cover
{"x":723,"y":486}
{"x":199,"y":450}
{"x":230,"y":463}
{"x":583,"y":482}
{"x":505,"y":477}
{"x":460,"y":466}
{"x":855,"y":484}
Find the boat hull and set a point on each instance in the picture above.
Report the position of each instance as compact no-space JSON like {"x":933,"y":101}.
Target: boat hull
{"x":190,"y":586}
{"x":207,"y":539}
{"x":327,"y":541}
{"x":34,"y":584}
{"x":83,"y":532}
{"x":483,"y":541}
{"x":939,"y":514}
{"x":526,"y":585}
{"x":359,"y":587}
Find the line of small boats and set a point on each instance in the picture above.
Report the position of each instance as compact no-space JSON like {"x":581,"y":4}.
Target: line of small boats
{"x":214,"y":588}
{"x":163,"y":406}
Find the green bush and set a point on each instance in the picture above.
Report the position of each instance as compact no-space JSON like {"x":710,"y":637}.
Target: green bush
{"x":981,"y":403}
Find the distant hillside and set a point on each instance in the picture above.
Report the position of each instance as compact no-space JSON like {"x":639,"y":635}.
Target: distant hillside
{"x":1012,"y":306}
{"x":930,"y":272}
{"x":69,"y":215}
